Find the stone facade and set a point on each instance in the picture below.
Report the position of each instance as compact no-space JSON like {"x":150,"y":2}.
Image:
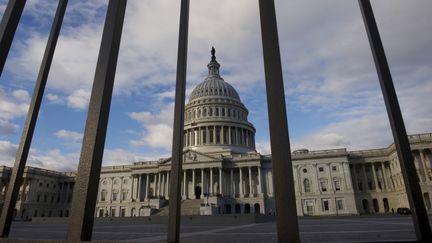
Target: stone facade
{"x":223,"y":173}
{"x":43,"y":193}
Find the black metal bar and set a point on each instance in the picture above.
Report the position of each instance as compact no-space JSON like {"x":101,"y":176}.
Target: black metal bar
{"x":8,"y":26}
{"x":177,"y":145}
{"x":87,"y":180}
{"x":286,"y":211}
{"x":27,"y":135}
{"x":411,"y":180}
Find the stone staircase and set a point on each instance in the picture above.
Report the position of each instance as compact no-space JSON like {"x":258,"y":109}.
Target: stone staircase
{"x":188,"y":207}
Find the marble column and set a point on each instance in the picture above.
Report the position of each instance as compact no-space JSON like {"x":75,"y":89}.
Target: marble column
{"x":167,"y":185}
{"x":330,"y":179}
{"x":138,"y":191}
{"x":132,"y":194}
{"x":222,"y":135}
{"x":162,"y":193}
{"x":241,"y":183}
{"x":24,"y":185}
{"x":354,"y":174}
{"x":220,"y":182}
{"x":232,"y":182}
{"x":365,"y":179}
{"x":67,"y":192}
{"x":156,"y":184}
{"x":424,"y":165}
{"x":384,"y":175}
{"x":184,"y":185}
{"x":259,"y":181}
{"x":375,"y":177}
{"x":202,"y":183}
{"x":318,"y":183}
{"x":250,"y":182}
{"x":121,"y":189}
{"x":229,"y":135}
{"x":193,"y":184}
{"x":347,"y":175}
{"x":211,"y":181}
{"x":146,"y":187}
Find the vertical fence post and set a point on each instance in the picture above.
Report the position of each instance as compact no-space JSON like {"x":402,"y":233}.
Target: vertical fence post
{"x":177,"y":145}
{"x":87,"y":181}
{"x":411,"y":180}
{"x":8,"y":26}
{"x":286,"y":211}
{"x":30,"y":123}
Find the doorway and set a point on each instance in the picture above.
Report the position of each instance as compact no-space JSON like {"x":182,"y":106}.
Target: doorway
{"x":197,"y":192}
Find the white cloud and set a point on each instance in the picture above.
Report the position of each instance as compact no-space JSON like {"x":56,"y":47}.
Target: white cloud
{"x":79,"y":99}
{"x":54,"y":99}
{"x":328,"y":67}
{"x":7,"y":128}
{"x":54,"y":160}
{"x":7,"y":152}
{"x":13,"y":104}
{"x":69,"y":135}
{"x":125,"y":157}
{"x":157,"y":128}
{"x":263,"y":147}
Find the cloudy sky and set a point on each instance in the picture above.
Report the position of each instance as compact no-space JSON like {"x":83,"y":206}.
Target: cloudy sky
{"x":332,"y":92}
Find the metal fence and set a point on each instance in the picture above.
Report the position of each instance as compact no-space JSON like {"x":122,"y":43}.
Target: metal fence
{"x":85,"y":193}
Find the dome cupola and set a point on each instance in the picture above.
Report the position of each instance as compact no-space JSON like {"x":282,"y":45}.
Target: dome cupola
{"x":215,"y":117}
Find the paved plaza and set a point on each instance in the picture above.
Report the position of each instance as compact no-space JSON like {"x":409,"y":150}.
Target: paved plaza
{"x":337,"y":229}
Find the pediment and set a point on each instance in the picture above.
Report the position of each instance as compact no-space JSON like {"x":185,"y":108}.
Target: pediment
{"x":191,"y":156}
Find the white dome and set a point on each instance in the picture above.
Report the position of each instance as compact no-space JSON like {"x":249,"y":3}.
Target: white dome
{"x":215,"y":117}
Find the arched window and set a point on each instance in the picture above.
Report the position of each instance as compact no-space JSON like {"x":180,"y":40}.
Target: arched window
{"x":306,"y":185}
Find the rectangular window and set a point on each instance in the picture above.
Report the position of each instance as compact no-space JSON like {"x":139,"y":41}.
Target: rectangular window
{"x":325,"y":205}
{"x":324,"y":186}
{"x":337,"y":185}
{"x":360,"y":186}
{"x":320,"y":169}
{"x":124,"y":195}
{"x":114,"y":197}
{"x":339,"y":203}
{"x":113,"y":212}
{"x":204,"y":137}
{"x":309,"y":207}
{"x":334,"y":168}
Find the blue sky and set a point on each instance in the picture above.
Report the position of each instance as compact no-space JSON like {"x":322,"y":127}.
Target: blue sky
{"x":331,"y":86}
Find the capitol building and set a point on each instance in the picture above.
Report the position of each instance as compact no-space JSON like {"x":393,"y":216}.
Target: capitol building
{"x":224,"y":174}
